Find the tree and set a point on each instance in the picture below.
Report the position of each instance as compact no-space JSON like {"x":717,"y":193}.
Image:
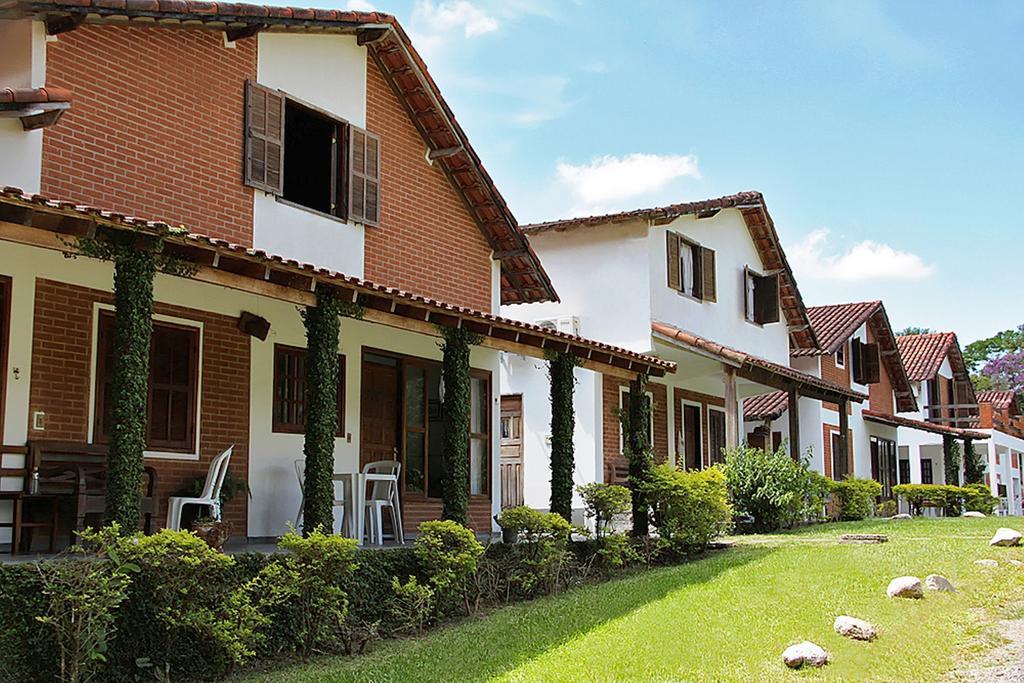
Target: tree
{"x":979,"y":352}
{"x":907,"y":331}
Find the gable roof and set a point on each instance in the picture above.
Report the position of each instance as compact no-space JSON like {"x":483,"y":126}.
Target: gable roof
{"x":1001,"y":400}
{"x":523,"y":278}
{"x":923,"y":353}
{"x":762,"y":231}
{"x":835,"y":324}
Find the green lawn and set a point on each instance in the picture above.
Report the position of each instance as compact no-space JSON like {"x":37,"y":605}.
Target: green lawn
{"x":730,"y":616}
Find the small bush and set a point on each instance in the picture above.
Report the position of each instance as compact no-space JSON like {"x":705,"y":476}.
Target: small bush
{"x":543,"y":538}
{"x":978,"y":498}
{"x":412,"y":605}
{"x":770,"y":490}
{"x":310,"y":580}
{"x":604,"y":502}
{"x":855,"y":497}
{"x":448,"y":553}
{"x":691,"y":508}
{"x":887,"y":508}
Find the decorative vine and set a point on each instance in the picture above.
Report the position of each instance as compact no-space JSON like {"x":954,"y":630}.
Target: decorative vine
{"x":322,"y":323}
{"x":974,"y":466}
{"x":638,"y":450}
{"x":563,"y":420}
{"x":456,"y":407}
{"x":110,"y":246}
{"x":951,"y":458}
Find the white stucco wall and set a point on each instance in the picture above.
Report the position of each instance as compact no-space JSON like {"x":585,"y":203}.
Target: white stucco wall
{"x":600,"y":275}
{"x":328,"y":72}
{"x":722,"y":321}
{"x":22,"y":65}
{"x":528,"y":377}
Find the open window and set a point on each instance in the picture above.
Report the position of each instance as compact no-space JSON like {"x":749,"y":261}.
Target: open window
{"x":866,"y":362}
{"x":308,"y":157}
{"x":691,"y":268}
{"x":761,"y":300}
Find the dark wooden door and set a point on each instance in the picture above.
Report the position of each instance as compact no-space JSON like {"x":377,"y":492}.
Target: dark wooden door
{"x":512,"y":477}
{"x":691,"y":436}
{"x":379,"y":411}
{"x":5,"y":325}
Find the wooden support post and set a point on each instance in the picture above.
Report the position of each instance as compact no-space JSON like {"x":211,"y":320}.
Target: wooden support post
{"x":732,"y":424}
{"x":794,"y":424}
{"x":844,"y":435}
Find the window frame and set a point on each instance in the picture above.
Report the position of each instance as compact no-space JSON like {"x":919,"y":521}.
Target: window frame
{"x":930,"y":470}
{"x":6,"y":294}
{"x":679,"y":242}
{"x":681,"y":454}
{"x":839,"y":357}
{"x":713,"y":458}
{"x":750,"y":310}
{"x":279,"y":427}
{"x":341,"y":159}
{"x":96,"y":402}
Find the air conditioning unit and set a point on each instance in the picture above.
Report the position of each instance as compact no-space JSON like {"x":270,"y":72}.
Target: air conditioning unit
{"x":569,"y":324}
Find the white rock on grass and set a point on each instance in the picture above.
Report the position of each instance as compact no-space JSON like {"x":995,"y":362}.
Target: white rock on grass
{"x":986,"y":563}
{"x":902,"y":515}
{"x":1006,"y":537}
{"x":973,"y":513}
{"x":937,"y":582}
{"x":804,"y":654}
{"x":905,"y":587}
{"x":1016,"y":563}
{"x":857,"y":629}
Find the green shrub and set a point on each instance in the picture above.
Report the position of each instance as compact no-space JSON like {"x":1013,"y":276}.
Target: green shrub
{"x":952,"y":499}
{"x":771,"y":490}
{"x":978,"y":498}
{"x":543,"y":538}
{"x":413,"y":604}
{"x":855,"y":497}
{"x":310,"y":579}
{"x":83,"y":599}
{"x":604,"y":502}
{"x":448,"y":553}
{"x":887,"y":508}
{"x":691,"y":508}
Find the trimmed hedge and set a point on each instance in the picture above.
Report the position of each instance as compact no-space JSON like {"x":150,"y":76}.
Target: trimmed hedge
{"x":953,"y":499}
{"x":855,"y":498}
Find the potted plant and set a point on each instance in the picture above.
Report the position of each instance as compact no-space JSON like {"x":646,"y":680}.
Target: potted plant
{"x":214,"y":532}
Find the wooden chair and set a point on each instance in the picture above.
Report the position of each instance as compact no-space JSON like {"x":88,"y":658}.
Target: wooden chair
{"x":21,"y":520}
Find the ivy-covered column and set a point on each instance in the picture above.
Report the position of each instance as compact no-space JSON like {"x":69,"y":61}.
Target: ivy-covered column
{"x":134,"y":270}
{"x":563,"y":421}
{"x":638,"y":451}
{"x":455,"y":406}
{"x":974,"y":468}
{"x":322,"y":324}
{"x":951,"y":460}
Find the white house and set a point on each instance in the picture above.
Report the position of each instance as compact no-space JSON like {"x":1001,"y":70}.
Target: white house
{"x":999,"y":416}
{"x":704,"y":284}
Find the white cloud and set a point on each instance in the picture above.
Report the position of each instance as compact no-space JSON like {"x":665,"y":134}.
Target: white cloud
{"x":610,"y":178}
{"x":453,"y":16}
{"x":814,"y":257}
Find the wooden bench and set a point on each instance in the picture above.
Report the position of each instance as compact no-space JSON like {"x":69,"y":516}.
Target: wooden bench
{"x":80,"y":471}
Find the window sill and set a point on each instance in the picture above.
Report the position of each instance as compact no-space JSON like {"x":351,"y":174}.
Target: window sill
{"x":315,"y":212}
{"x":170,"y":455}
{"x":691,"y":297}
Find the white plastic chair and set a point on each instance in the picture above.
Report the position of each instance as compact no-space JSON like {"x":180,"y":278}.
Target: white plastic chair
{"x":339,"y":503}
{"x":210,"y":497}
{"x":383,"y":494}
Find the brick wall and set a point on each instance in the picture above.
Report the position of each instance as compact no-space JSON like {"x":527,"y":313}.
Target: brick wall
{"x":613,"y":457}
{"x":61,"y":370}
{"x":155,"y":129}
{"x":833,"y":373}
{"x":880,"y":396}
{"x":427,"y":243}
{"x":704,"y":400}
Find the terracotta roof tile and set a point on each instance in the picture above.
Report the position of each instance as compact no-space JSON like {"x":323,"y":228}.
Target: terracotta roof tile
{"x":523,"y":278}
{"x":835,"y":324}
{"x":934,"y":428}
{"x":34,"y":95}
{"x":742,"y":359}
{"x":923,"y":353}
{"x":1000,"y":400}
{"x":766,"y":406}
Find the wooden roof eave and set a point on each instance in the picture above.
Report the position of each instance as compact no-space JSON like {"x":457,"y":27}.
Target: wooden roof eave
{"x":273,"y":277}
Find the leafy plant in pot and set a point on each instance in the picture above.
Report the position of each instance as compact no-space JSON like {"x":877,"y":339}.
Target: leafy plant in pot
{"x":192,"y":513}
{"x":214,"y":532}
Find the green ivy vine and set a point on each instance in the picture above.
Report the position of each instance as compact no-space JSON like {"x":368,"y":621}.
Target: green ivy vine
{"x":563,"y":420}
{"x":456,"y":407}
{"x":974,"y":466}
{"x":951,"y":458}
{"x":322,"y":323}
{"x":638,"y":451}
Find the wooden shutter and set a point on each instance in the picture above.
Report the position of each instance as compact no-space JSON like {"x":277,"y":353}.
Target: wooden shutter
{"x":766,"y":299}
{"x":747,"y":275}
{"x":708,"y":287}
{"x":363,"y":176}
{"x":264,"y":138}
{"x":857,"y":358}
{"x":675,"y":280}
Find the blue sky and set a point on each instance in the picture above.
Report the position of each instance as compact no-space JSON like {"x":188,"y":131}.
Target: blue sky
{"x":886,"y":137}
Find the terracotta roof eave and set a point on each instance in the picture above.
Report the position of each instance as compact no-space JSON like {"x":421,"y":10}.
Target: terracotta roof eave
{"x":898,"y":421}
{"x":31,"y":208}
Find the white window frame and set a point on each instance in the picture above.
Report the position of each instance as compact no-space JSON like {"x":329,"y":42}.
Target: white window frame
{"x":725,"y":417}
{"x":681,"y":455}
{"x":686,"y":266}
{"x":840,"y":360}
{"x":185,"y":322}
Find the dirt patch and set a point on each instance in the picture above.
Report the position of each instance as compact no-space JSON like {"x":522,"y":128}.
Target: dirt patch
{"x":1004,"y":662}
